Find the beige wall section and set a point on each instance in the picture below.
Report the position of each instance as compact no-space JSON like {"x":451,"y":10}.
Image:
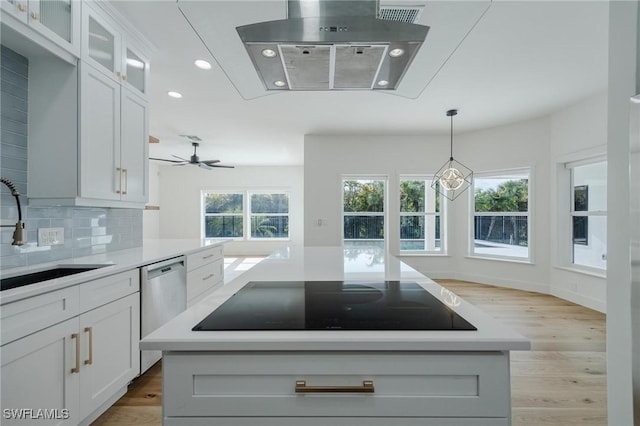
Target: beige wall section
{"x":181,"y":189}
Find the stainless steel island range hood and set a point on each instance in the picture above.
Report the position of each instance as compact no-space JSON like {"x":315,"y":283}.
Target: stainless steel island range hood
{"x":332,"y":45}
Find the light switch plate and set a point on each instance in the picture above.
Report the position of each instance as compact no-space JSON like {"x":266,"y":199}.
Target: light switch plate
{"x":50,"y":236}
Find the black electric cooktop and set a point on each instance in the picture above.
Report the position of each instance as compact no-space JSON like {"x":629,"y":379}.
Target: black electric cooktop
{"x":333,"y":305}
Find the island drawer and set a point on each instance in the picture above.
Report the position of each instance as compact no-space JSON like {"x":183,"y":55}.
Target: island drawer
{"x":204,"y":278}
{"x":412,"y":384}
{"x":335,"y":421}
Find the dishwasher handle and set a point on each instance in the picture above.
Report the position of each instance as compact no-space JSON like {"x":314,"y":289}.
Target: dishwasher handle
{"x":162,"y":268}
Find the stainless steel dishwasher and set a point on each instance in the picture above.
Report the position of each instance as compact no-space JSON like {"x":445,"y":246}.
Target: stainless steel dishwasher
{"x":163,"y":295}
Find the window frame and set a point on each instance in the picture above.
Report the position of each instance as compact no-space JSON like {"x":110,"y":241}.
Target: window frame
{"x":503,"y":173}
{"x":427,"y":178}
{"x":385,"y":205}
{"x":570,"y":166}
{"x":246,"y":214}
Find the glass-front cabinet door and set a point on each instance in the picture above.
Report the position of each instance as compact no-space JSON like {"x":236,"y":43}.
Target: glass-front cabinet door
{"x":136,"y":69}
{"x":56,"y":16}
{"x":100,"y":43}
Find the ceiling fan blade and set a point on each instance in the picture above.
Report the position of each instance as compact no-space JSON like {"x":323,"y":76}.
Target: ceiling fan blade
{"x":222,"y":166}
{"x":204,"y":166}
{"x":210,"y":162}
{"x":183,"y":159}
{"x":163,"y":159}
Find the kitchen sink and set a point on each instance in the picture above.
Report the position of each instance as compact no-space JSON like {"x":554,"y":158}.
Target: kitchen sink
{"x":49,"y":274}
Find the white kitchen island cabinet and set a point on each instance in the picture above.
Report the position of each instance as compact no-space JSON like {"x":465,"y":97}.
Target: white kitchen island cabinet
{"x":335,"y":377}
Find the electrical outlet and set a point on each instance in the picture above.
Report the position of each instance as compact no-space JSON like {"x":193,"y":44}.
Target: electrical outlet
{"x":50,"y":236}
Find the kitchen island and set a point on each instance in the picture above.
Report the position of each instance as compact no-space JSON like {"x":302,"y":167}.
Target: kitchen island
{"x":335,"y":377}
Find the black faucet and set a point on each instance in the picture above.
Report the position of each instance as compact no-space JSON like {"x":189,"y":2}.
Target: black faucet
{"x":18,"y":235}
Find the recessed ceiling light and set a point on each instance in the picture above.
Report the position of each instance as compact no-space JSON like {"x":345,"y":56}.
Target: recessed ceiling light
{"x":202,"y":64}
{"x":279,"y":83}
{"x":394,"y":53}
{"x":135,"y":63}
{"x":269,"y":53}
{"x":175,"y":94}
{"x":383,"y":83}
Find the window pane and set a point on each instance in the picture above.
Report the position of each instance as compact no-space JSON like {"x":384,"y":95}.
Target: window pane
{"x":223,"y":226}
{"x":501,"y":235}
{"x":590,"y":187}
{"x":223,"y":203}
{"x":412,"y":196}
{"x":501,"y":194}
{"x":364,"y":227}
{"x":363,"y":195}
{"x":269,"y":203}
{"x":591,"y":250}
{"x":269,"y":227}
{"x":412,"y":233}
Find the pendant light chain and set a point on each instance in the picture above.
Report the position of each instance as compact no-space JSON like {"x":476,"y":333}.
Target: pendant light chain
{"x":451,"y":156}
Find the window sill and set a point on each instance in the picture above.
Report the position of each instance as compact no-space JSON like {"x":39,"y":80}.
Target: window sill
{"x":502,"y":259}
{"x":590,"y":272}
{"x":415,"y":254}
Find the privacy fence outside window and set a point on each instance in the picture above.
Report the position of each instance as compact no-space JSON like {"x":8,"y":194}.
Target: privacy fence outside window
{"x":421,"y":227}
{"x":246,"y":215}
{"x":501,"y":215}
{"x":363,"y":212}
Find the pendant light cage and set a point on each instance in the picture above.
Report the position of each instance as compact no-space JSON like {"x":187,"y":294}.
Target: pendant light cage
{"x":453,"y":178}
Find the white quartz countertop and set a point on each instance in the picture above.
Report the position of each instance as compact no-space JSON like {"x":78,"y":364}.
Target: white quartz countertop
{"x":152,"y":250}
{"x":335,"y":264}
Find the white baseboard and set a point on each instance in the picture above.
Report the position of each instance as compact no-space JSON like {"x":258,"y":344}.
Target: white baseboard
{"x":503,"y":282}
{"x":588,"y":302}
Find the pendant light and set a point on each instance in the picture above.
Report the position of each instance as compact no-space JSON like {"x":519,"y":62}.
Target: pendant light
{"x":453,"y":178}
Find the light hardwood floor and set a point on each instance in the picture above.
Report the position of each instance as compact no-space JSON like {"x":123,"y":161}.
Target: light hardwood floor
{"x":560,"y":382}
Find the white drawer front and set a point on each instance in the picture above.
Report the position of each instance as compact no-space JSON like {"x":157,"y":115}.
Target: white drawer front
{"x":406,"y":385}
{"x":27,"y":316}
{"x":105,"y":290}
{"x":204,"y":278}
{"x":335,"y":421}
{"x":203,"y":257}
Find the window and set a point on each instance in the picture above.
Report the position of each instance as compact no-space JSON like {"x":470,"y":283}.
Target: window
{"x":269,"y":216}
{"x":501,"y":215}
{"x":588,"y":213}
{"x":420,"y":216}
{"x":363,"y":202}
{"x":223,"y":215}
{"x":246,"y":215}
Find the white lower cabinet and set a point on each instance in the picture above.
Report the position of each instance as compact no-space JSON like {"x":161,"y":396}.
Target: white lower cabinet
{"x":36,"y":375}
{"x":205,"y":273}
{"x":337,"y":389}
{"x":70,"y":372}
{"x":110,"y":354}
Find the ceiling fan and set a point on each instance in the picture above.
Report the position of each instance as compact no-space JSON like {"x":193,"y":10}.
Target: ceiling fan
{"x":194,"y":159}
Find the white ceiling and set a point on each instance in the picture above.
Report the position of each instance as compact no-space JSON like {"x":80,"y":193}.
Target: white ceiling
{"x":523,"y":59}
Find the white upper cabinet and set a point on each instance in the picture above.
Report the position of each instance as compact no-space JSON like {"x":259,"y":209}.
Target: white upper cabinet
{"x":54,"y":24}
{"x":108,"y":49}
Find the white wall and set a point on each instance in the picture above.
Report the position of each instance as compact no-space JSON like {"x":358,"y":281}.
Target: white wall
{"x":540,"y":144}
{"x":151,"y":218}
{"x":328,"y":158}
{"x":180,"y":195}
{"x":578,"y":132}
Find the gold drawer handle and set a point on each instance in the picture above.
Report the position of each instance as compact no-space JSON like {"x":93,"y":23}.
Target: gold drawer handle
{"x":207,"y":256}
{"x":207,"y":277}
{"x":367,"y":387}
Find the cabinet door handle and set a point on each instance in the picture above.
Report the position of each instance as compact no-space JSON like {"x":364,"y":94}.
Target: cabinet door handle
{"x":119,"y":171}
{"x":76,"y":369}
{"x":367,"y":387}
{"x":126,"y":181}
{"x":90,"y":331}
{"x":124,"y":77}
{"x":21,"y":7}
{"x":207,"y":277}
{"x":34,"y":16}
